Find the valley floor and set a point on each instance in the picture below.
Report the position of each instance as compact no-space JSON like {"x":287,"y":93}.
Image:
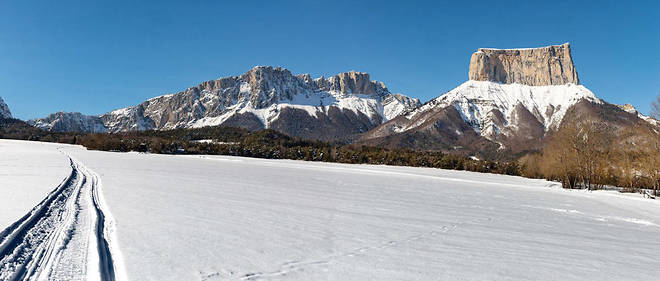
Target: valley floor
{"x":231,"y":218}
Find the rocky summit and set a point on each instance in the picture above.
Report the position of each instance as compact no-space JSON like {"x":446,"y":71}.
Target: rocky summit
{"x":338,"y":107}
{"x":4,"y":109}
{"x":552,"y":65}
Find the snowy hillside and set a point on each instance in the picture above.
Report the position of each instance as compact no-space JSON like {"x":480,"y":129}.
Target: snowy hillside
{"x":4,"y":109}
{"x":489,"y":106}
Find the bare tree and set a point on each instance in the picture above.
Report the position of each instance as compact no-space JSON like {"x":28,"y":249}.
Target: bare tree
{"x":578,"y":155}
{"x":560,"y":158}
{"x":650,"y":161}
{"x":655,"y":108}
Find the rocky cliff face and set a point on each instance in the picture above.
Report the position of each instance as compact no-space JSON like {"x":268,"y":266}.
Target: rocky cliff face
{"x":4,"y":109}
{"x":341,"y":106}
{"x":552,"y":65}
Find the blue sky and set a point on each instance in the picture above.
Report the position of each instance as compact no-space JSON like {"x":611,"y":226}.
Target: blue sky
{"x":95,"y":56}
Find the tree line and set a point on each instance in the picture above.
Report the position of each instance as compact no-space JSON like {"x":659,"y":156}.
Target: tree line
{"x":592,"y":154}
{"x":271,"y":144}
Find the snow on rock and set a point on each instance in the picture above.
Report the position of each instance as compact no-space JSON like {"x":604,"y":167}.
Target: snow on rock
{"x":4,"y":109}
{"x":482,"y":103}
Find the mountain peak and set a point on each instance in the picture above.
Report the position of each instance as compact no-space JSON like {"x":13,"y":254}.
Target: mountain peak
{"x":4,"y":109}
{"x":543,"y":66}
{"x":355,"y":82}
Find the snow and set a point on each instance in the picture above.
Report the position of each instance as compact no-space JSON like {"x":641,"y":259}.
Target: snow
{"x":69,"y":234}
{"x":314,"y":103}
{"x":648,"y":119}
{"x":232,"y":218}
{"x":476,"y":100}
{"x":28,"y":172}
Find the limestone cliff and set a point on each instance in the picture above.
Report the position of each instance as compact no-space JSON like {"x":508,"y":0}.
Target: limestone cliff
{"x":552,"y":65}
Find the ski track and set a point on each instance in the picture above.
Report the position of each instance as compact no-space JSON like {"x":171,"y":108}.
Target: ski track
{"x":64,"y":237}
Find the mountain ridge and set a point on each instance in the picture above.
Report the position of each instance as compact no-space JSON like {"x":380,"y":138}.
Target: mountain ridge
{"x":348,"y":103}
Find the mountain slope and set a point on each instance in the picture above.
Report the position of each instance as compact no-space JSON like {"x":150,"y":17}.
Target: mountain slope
{"x":500,"y":111}
{"x":339,"y":107}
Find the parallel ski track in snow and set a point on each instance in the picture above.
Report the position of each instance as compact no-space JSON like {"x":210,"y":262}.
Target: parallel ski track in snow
{"x":64,"y":237}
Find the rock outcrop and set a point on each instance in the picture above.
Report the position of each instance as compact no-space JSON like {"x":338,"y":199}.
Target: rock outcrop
{"x":628,"y":108}
{"x":338,"y":107}
{"x":552,"y":65}
{"x":4,"y":109}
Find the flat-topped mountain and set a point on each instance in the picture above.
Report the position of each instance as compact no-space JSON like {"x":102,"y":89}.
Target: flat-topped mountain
{"x":552,"y":65}
{"x":513,"y":100}
{"x":338,"y":107}
{"x":4,"y":109}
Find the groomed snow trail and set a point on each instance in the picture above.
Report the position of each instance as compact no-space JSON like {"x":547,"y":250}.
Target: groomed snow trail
{"x":65,"y":237}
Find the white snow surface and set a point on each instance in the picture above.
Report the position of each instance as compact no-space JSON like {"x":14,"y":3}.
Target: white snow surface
{"x":232,"y":218}
{"x":28,"y":172}
{"x":477,"y":100}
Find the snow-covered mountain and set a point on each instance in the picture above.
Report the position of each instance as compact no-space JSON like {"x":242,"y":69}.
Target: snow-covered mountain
{"x":69,"y":122}
{"x":514,"y":98}
{"x":491,"y":108}
{"x":4,"y":109}
{"x":341,"y":106}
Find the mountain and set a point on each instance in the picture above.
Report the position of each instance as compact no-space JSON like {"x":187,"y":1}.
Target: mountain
{"x":70,"y":122}
{"x":4,"y":109}
{"x":513,"y":100}
{"x":338,"y":107}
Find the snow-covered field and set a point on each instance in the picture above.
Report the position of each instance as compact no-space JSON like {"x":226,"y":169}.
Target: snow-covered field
{"x":230,"y":218}
{"x":28,"y":172}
